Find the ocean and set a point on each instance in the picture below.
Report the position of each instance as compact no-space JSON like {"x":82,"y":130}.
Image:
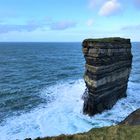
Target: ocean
{"x":41,"y":85}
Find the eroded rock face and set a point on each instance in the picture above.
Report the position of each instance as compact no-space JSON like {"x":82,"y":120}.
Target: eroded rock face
{"x":108,"y":65}
{"x":132,"y":119}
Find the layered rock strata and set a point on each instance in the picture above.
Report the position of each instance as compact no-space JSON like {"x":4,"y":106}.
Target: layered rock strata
{"x":108,"y":65}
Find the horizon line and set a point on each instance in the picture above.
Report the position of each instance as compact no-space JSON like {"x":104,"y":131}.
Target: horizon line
{"x":46,"y":41}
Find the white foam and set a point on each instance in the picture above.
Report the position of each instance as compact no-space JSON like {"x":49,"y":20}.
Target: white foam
{"x":63,"y":115}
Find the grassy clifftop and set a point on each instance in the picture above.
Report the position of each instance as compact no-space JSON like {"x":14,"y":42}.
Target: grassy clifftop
{"x":129,"y":129}
{"x":118,"y":132}
{"x":108,"y":40}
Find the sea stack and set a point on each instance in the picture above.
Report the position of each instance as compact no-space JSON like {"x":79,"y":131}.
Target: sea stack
{"x":107,"y":70}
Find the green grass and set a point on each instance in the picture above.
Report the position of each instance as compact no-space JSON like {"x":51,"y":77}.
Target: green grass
{"x":110,"y":39}
{"x":118,"y":132}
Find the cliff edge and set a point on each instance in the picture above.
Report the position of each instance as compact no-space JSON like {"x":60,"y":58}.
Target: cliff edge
{"x":129,"y":129}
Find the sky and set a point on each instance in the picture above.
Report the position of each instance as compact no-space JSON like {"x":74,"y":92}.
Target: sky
{"x":68,"y":20}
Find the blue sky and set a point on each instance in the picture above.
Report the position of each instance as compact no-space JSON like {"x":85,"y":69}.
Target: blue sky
{"x":68,"y":20}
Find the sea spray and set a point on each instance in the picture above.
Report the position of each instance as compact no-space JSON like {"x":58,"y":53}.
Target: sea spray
{"x":63,"y":115}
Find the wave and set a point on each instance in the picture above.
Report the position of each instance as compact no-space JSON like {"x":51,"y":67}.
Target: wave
{"x":63,"y":114}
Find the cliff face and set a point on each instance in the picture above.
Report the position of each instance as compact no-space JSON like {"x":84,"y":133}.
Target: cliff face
{"x":108,"y":65}
{"x":132,"y":119}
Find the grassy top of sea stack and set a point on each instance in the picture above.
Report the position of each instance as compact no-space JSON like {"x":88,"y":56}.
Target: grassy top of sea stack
{"x":108,"y":40}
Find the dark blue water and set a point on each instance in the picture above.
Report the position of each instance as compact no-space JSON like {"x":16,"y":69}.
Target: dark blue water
{"x":26,"y":68}
{"x":41,"y":86}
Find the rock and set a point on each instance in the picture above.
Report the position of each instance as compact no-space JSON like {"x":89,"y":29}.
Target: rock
{"x":133,"y":118}
{"x":108,"y":65}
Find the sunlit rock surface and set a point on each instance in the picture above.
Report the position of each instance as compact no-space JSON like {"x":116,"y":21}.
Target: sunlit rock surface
{"x":107,"y":69}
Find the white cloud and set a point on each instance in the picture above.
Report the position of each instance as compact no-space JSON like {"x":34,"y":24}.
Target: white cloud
{"x":93,"y":3}
{"x":90,"y":22}
{"x":5,"y":28}
{"x":33,"y":25}
{"x":62,"y":25}
{"x":110,"y":7}
{"x":131,"y":28}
